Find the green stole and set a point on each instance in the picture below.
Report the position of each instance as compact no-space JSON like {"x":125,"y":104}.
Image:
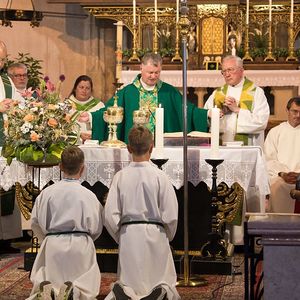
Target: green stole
{"x":8,"y":94}
{"x":246,"y":102}
{"x":148,"y":100}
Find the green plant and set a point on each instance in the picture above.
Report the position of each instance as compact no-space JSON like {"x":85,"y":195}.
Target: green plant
{"x":141,"y":52}
{"x":259,"y":40}
{"x":127,"y":53}
{"x":281,"y":52}
{"x":167,"y":52}
{"x":240,"y":52}
{"x":33,"y":68}
{"x":297,"y":52}
{"x":258,"y":52}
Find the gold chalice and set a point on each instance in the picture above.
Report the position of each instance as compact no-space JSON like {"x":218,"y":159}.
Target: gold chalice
{"x":141,"y":117}
{"x":113,"y":116}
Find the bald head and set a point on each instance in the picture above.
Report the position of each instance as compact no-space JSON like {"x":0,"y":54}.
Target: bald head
{"x":3,"y":54}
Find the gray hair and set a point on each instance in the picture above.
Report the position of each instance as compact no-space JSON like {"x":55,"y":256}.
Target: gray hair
{"x":13,"y":66}
{"x":152,"y":58}
{"x":238,"y":60}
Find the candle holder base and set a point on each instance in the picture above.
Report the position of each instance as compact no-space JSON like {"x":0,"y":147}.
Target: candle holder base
{"x":159,"y":161}
{"x":113,"y":144}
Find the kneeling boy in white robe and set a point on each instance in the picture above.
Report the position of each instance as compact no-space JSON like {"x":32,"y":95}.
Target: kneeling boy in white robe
{"x":67,"y":218}
{"x":141,"y":214}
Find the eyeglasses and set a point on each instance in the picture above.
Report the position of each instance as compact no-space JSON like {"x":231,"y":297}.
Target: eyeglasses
{"x":229,"y":70}
{"x":20,"y":76}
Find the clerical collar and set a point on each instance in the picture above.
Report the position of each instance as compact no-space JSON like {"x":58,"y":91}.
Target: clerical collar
{"x":146,"y":86}
{"x":240,"y":84}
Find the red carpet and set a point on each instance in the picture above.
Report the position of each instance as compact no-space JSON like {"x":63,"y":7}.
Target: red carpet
{"x":15,"y":283}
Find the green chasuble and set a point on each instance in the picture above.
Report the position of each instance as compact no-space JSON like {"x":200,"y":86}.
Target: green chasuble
{"x":169,"y":98}
{"x":8,"y":94}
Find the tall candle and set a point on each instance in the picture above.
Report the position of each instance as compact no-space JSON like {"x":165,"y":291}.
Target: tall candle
{"x":155,"y":10}
{"x":119,"y":49}
{"x":247,"y":12}
{"x":134,"y":12}
{"x":159,"y":130}
{"x":215,"y":132}
{"x":177,"y":11}
{"x":292,"y":12}
{"x":270,"y":10}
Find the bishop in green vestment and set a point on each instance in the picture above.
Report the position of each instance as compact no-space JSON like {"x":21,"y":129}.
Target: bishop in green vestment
{"x":148,"y":91}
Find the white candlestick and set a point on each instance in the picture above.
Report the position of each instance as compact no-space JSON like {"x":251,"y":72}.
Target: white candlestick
{"x":177,"y":11}
{"x":155,"y":10}
{"x":292,"y":12}
{"x":215,"y":132}
{"x":134,"y":12}
{"x":270,"y":10}
{"x":159,"y":130}
{"x":247,"y":12}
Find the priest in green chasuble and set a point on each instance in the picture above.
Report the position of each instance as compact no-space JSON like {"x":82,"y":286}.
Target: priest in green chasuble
{"x":147,"y":91}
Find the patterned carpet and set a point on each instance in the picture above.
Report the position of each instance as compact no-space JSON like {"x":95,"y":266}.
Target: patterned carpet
{"x":15,"y":283}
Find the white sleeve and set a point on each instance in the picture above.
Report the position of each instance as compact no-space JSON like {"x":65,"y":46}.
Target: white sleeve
{"x":168,"y":206}
{"x":270,"y":151}
{"x":210,"y":101}
{"x":257,"y":120}
{"x":112,"y":210}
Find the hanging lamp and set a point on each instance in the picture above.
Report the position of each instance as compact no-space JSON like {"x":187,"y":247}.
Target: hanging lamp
{"x":10,"y":14}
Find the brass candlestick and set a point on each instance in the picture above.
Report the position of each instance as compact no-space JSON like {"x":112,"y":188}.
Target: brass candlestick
{"x":270,"y":56}
{"x":247,"y":56}
{"x":291,"y":56}
{"x":155,"y":38}
{"x":113,"y":116}
{"x":134,"y":56}
{"x":177,"y":56}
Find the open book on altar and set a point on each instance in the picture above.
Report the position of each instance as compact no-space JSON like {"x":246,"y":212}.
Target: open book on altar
{"x":194,"y":138}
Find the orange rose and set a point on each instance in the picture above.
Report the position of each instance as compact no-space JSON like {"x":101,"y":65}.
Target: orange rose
{"x":52,"y":106}
{"x":52,"y":122}
{"x":67,"y":118}
{"x":28,"y":118}
{"x":34,"y":136}
{"x":37,"y":104}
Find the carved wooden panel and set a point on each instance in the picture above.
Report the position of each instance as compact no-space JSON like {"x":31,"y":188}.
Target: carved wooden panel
{"x":212,"y":41}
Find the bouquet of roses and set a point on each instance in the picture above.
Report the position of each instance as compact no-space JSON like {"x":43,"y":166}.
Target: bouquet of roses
{"x":38,"y":130}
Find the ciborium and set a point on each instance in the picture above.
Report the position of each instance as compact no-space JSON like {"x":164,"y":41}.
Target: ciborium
{"x":113,"y":116}
{"x":141,"y":117}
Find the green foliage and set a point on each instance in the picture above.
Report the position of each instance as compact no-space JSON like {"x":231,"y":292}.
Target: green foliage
{"x":127,"y":53}
{"x":33,"y":68}
{"x":240,"y":52}
{"x":167,"y":52}
{"x":258,"y":52}
{"x":297,"y":52}
{"x":141,"y":52}
{"x":281,"y":52}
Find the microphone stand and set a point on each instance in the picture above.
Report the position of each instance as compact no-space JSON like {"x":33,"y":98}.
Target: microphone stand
{"x":184,"y":25}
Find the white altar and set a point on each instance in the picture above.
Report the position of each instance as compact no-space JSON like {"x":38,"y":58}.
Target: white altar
{"x":212,"y":78}
{"x":244,"y":165}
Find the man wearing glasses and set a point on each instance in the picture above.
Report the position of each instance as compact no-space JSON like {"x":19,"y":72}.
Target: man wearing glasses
{"x":18,"y":74}
{"x":10,"y":222}
{"x":245,"y":110}
{"x":281,"y":150}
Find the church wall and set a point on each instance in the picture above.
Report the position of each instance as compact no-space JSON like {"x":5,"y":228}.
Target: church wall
{"x":66,"y":45}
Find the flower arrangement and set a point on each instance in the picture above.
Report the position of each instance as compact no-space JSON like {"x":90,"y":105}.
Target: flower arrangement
{"x":39,"y":129}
